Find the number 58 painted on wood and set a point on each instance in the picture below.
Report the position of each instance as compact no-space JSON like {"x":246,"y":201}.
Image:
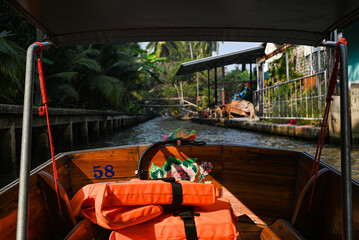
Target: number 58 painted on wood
{"x":98,"y":173}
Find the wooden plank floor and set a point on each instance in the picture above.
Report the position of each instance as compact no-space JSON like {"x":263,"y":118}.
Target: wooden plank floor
{"x":249,"y":225}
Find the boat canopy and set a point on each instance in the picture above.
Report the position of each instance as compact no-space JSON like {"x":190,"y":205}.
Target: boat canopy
{"x":248,"y":55}
{"x":83,"y":22}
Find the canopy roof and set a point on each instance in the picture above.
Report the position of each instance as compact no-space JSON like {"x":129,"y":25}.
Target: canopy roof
{"x":69,"y":22}
{"x":244,"y":56}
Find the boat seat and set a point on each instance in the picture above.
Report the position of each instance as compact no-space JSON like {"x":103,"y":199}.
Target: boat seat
{"x":280,"y":230}
{"x":303,"y":220}
{"x":86,"y":230}
{"x":62,"y":222}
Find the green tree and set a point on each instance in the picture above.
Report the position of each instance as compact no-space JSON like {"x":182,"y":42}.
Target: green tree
{"x":205,"y":48}
{"x":24,"y":33}
{"x":162,"y":49}
{"x":102,"y":76}
{"x":12,"y":69}
{"x":235,"y":81}
{"x":279,"y":71}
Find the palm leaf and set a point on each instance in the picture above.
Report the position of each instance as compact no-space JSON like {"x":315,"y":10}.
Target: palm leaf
{"x":12,"y":62}
{"x":67,"y":76}
{"x":90,"y":64}
{"x":65,"y":92}
{"x":150,"y":65}
{"x":111,"y":87}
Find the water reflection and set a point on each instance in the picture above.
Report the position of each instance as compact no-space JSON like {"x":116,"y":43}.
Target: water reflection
{"x":153,"y":131}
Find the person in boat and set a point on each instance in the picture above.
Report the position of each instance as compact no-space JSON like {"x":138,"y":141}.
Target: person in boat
{"x":240,"y":107}
{"x":242,"y":94}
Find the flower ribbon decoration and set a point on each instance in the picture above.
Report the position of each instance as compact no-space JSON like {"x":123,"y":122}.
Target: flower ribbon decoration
{"x":186,"y":170}
{"x":180,"y":134}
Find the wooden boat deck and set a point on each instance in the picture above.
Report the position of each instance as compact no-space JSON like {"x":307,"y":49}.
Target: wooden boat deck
{"x":249,"y":225}
{"x":263,"y":186}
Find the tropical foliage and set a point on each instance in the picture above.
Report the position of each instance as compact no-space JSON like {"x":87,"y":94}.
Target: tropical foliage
{"x":102,"y":76}
{"x":12,"y":68}
{"x":23,"y":33}
{"x":278,"y":69}
{"x":115,"y":77}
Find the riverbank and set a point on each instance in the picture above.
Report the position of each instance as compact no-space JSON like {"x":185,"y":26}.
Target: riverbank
{"x":72,"y":129}
{"x":297,"y":131}
{"x":154,"y":130}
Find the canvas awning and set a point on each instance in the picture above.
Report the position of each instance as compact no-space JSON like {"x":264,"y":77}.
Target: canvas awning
{"x":244,"y":56}
{"x":79,"y":22}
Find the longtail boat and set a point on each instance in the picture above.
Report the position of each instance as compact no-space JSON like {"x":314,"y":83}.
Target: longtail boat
{"x":269,"y":189}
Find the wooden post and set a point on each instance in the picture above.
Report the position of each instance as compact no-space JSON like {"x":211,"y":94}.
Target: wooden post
{"x":84,"y":133}
{"x":287,"y":65}
{"x":215,"y":86}
{"x":223,"y":86}
{"x":197,"y":98}
{"x":103,"y":128}
{"x":13,"y":149}
{"x":319,"y":66}
{"x":181,"y":99}
{"x":42,"y":146}
{"x":251,"y":81}
{"x":8,"y":150}
{"x":115,"y":124}
{"x":243,"y":67}
{"x":209,"y":90}
{"x":250,"y":77}
{"x":110,"y":125}
{"x":94,"y":130}
{"x":97,"y":129}
{"x":68,"y":137}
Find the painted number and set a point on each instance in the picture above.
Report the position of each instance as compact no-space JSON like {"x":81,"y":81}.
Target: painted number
{"x":109,"y":171}
{"x":98,"y":173}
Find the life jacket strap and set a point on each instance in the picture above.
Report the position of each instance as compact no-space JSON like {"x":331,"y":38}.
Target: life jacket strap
{"x":177,"y":192}
{"x":187,"y":215}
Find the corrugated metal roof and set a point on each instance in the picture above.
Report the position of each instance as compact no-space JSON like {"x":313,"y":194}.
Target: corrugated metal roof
{"x":79,"y":22}
{"x":244,"y":56}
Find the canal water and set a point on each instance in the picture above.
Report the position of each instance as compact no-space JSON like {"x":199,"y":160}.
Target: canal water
{"x":154,"y":130}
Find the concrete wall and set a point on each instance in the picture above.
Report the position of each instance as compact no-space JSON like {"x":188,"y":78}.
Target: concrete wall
{"x":70,"y":128}
{"x":306,"y":132}
{"x":351,"y":34}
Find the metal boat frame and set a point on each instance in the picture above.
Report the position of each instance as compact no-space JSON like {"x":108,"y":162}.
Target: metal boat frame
{"x":22,"y":217}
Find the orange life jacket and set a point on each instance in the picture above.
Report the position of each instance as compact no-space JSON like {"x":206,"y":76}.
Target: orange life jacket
{"x":120,"y":204}
{"x":115,"y":218}
{"x":215,"y":222}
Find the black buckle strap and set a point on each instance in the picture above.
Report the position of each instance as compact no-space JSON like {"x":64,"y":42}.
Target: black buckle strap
{"x":177,"y":193}
{"x":187,"y":215}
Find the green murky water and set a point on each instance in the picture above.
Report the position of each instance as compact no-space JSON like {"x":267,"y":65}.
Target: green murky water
{"x":155,"y":129}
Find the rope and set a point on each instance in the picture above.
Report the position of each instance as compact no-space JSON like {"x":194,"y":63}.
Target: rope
{"x":43,"y":110}
{"x":328,"y":100}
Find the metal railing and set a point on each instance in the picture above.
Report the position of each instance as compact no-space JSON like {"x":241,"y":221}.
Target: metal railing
{"x":301,"y":98}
